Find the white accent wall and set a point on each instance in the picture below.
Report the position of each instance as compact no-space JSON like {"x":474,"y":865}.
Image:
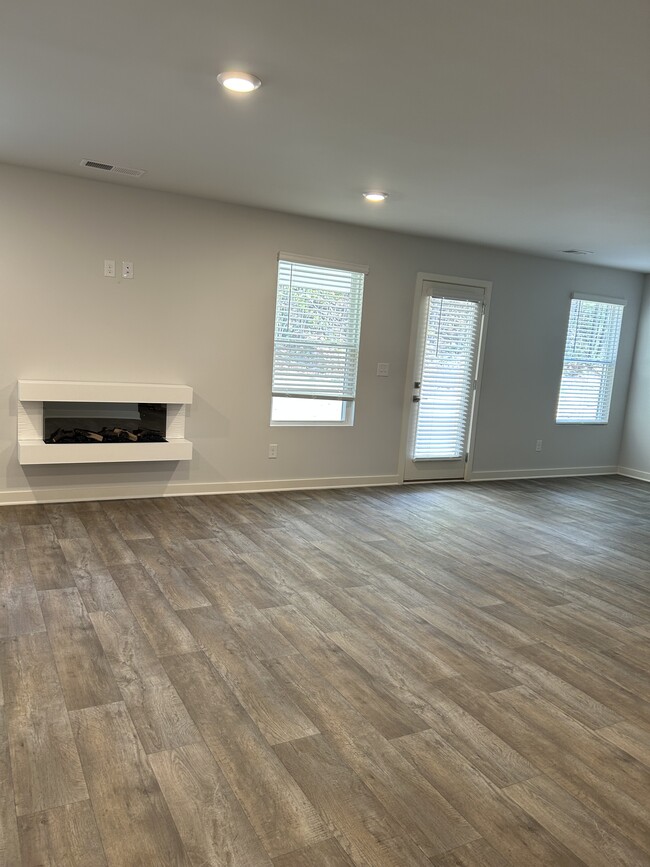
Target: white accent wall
{"x":635,"y":451}
{"x":200,"y":311}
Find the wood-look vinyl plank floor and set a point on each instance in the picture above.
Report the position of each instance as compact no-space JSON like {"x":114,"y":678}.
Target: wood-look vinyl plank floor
{"x":428,"y":676}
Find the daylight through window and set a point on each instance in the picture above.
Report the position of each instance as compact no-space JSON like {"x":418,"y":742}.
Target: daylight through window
{"x":589,"y":360}
{"x":316,"y":351}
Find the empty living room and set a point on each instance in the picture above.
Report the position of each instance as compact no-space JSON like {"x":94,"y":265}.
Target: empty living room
{"x":325,"y":433}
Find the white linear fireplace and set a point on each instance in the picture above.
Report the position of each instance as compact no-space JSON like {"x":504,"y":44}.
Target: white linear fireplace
{"x":33,"y":395}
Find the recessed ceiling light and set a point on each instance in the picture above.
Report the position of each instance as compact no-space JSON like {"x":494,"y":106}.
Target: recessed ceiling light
{"x":375,"y":196}
{"x":240,"y":82}
{"x":578,"y":252}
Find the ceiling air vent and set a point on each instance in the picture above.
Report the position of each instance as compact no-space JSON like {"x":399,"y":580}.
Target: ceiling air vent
{"x":115,"y":170}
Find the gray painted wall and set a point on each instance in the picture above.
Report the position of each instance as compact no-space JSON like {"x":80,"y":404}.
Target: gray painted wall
{"x":201,"y":309}
{"x":635,"y":451}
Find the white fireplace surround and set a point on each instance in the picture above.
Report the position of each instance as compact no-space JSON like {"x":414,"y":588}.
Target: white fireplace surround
{"x":32,"y":393}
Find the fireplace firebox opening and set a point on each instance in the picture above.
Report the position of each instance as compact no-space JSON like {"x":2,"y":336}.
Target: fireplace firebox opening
{"x":69,"y":422}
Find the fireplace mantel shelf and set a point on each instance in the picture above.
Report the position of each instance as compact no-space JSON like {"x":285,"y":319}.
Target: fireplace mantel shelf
{"x":38,"y":452}
{"x":102,"y":392}
{"x":33,"y":450}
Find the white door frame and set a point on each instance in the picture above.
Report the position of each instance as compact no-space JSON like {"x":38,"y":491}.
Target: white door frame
{"x":486,"y":286}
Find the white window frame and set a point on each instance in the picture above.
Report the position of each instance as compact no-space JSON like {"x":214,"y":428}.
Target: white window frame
{"x":348,"y":400}
{"x":605,"y":399}
{"x":347,"y":418}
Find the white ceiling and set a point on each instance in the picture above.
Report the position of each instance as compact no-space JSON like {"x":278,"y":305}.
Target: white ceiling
{"x":520,"y":123}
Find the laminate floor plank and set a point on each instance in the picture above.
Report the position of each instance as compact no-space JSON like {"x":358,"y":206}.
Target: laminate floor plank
{"x":165,"y":631}
{"x":449,"y":675}
{"x":62,"y":837}
{"x":297,"y":584}
{"x":383,"y":710}
{"x":610,"y":802}
{"x":250,"y":583}
{"x":393,"y":661}
{"x":592,"y":840}
{"x":9,"y":843}
{"x":65,"y":521}
{"x":635,"y":740}
{"x":367,"y":832}
{"x":562,"y":736}
{"x":212,"y":823}
{"x":505,"y":826}
{"x":187,"y":554}
{"x":110,"y":546}
{"x":157,"y":522}
{"x":247,"y":621}
{"x":430,"y":820}
{"x":98,"y":590}
{"x":159,"y":715}
{"x":276,"y":806}
{"x":175,"y":584}
{"x":326,"y":854}
{"x":49,"y":568}
{"x":496,"y":759}
{"x":477,"y":854}
{"x":276,"y":715}
{"x":11,"y":536}
{"x":620,"y":700}
{"x":393,"y":623}
{"x":29,"y":514}
{"x":122,"y":515}
{"x":20,"y":612}
{"x":45,"y":765}
{"x":135,"y":825}
{"x":40,"y":535}
{"x":83,"y":669}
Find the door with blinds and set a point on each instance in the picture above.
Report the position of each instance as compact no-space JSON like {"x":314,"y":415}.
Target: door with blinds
{"x":445,"y":380}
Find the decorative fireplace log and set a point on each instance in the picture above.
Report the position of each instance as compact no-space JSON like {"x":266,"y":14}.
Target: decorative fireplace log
{"x":105,"y":435}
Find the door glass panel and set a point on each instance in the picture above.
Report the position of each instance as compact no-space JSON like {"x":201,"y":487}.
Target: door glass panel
{"x":448,"y":361}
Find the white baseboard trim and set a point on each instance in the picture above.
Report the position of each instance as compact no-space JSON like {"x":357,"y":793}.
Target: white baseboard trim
{"x":79,"y":494}
{"x":633,"y":474}
{"x":537,"y":473}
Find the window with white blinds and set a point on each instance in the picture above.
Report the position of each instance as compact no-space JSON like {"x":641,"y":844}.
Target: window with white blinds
{"x":449,"y":345}
{"x":589,"y":360}
{"x":317,"y":331}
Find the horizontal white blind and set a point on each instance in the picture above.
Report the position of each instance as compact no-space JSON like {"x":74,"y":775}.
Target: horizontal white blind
{"x":317,"y":330}
{"x":589,"y":362}
{"x":297,"y":258}
{"x":448,"y":365}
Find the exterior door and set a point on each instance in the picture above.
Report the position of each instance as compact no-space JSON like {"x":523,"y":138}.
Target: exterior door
{"x":445,"y":379}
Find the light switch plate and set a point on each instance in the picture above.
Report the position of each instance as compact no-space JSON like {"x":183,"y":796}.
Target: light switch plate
{"x":383,"y":368}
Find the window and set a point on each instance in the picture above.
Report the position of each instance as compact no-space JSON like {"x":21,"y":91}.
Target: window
{"x":316,"y":352}
{"x":589,"y":360}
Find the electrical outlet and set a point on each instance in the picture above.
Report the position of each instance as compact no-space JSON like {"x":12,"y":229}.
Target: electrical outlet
{"x":127,"y":270}
{"x":109,"y":267}
{"x":273,"y":450}
{"x":538,"y":446}
{"x":382,"y":368}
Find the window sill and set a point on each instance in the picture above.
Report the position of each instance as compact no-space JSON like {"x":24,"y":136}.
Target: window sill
{"x":311,"y":424}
